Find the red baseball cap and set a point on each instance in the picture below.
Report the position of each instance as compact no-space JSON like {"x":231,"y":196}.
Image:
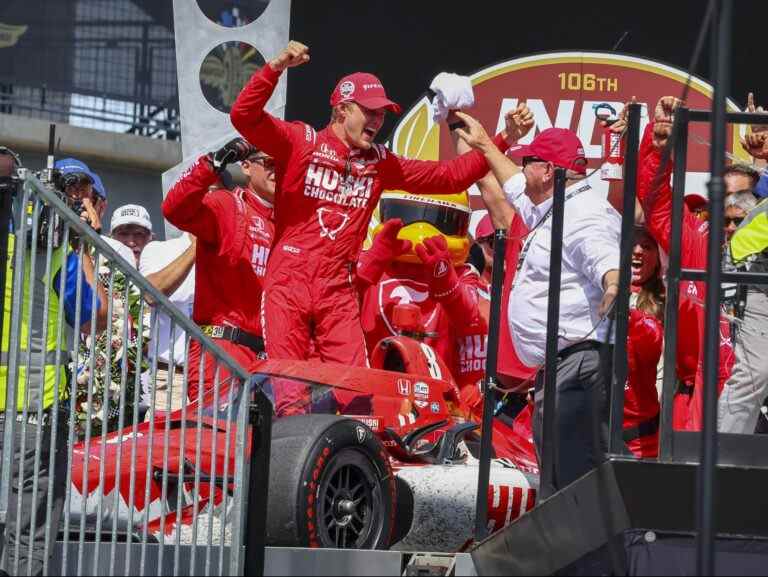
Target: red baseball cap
{"x":366,"y":90}
{"x":695,"y":201}
{"x":484,"y":227}
{"x":559,"y":146}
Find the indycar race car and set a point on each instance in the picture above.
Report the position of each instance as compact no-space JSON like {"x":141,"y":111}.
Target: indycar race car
{"x":380,"y":457}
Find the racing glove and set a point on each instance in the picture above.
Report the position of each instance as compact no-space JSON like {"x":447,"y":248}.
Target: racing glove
{"x":435,"y":255}
{"x":385,"y":248}
{"x":236,"y":150}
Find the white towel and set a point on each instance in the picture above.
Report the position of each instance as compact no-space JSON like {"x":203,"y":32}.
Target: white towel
{"x":452,"y":92}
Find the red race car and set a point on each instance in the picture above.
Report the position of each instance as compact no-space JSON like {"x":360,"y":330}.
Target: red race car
{"x":382,"y":457}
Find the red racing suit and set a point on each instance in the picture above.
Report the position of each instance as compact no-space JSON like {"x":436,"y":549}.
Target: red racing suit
{"x":451,"y":318}
{"x":326,"y":193}
{"x":641,"y":399}
{"x":234,"y":233}
{"x":656,"y":198}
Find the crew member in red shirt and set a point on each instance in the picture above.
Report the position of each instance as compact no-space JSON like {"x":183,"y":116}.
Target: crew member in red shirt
{"x":329,"y":183}
{"x":234,"y":231}
{"x":655,"y":193}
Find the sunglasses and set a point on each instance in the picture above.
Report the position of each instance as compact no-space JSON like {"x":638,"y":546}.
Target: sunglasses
{"x":267,"y":162}
{"x":531,"y":159}
{"x":728,"y":221}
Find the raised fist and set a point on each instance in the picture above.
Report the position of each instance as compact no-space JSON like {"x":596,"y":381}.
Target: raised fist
{"x":663,"y":118}
{"x":236,"y":150}
{"x":519,"y":122}
{"x":295,"y":54}
{"x":756,"y":140}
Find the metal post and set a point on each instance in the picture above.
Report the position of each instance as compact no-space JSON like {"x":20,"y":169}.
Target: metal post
{"x":258,"y":488}
{"x":491,"y":379}
{"x":707,"y":470}
{"x":8,"y":188}
{"x":549,"y":421}
{"x":616,"y":444}
{"x":679,"y":139}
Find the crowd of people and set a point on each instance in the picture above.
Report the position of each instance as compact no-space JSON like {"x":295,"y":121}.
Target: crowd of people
{"x":275,"y":269}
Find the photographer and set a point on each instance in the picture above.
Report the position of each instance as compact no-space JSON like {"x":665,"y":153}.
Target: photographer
{"x":38,"y":378}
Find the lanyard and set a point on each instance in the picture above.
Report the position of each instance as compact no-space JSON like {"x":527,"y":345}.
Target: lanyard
{"x":532,"y":234}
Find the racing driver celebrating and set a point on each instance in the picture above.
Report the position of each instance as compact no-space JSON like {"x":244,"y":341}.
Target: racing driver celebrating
{"x":328,"y":184}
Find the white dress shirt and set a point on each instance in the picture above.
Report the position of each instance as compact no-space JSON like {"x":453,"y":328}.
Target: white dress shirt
{"x":156,"y":256}
{"x":591,"y":247}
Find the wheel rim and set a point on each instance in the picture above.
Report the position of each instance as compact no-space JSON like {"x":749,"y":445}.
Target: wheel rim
{"x":349,"y":503}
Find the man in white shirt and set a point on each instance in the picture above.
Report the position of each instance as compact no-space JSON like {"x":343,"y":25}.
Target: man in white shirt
{"x":132,"y":226}
{"x":169,"y":267}
{"x":590,"y":282}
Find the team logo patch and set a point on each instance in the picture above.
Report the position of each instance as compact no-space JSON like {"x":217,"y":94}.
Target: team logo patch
{"x":441,"y":269}
{"x":435,"y":407}
{"x":331,"y":222}
{"x":361,"y":435}
{"x":347,"y":89}
{"x":421,"y":389}
{"x":404,"y":387}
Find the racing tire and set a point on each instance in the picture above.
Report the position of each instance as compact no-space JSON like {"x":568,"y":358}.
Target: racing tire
{"x":330,"y":485}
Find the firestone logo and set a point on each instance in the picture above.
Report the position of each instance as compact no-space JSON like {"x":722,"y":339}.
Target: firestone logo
{"x":347,"y":89}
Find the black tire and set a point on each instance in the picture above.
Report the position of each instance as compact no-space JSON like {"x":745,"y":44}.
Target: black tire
{"x":330,"y":485}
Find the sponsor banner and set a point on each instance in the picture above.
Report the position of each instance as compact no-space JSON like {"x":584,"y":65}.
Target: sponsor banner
{"x":563,"y":89}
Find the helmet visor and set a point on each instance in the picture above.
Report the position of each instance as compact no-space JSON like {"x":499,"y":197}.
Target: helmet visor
{"x":449,"y":221}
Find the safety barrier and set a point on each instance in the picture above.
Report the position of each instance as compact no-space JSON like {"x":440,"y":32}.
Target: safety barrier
{"x":120,"y":472}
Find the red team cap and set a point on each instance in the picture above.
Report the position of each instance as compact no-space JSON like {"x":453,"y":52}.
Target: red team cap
{"x":484,"y":227}
{"x":559,"y":146}
{"x":366,"y":90}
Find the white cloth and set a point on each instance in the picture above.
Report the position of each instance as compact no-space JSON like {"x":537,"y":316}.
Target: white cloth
{"x":121,"y":249}
{"x":156,"y":256}
{"x":452,"y":92}
{"x":591,"y":246}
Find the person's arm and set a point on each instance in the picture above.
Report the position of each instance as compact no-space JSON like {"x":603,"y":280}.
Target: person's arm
{"x":168,"y":279}
{"x":592,"y":242}
{"x":500,"y":211}
{"x":184,"y":206}
{"x":270,"y":134}
{"x":435,"y":177}
{"x":73,"y":265}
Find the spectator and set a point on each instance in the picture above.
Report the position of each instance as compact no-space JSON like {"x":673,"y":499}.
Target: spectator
{"x":737,"y":206}
{"x":169,"y":266}
{"x":131,"y":226}
{"x":655,"y":194}
{"x":740,"y":177}
{"x":589,"y":287}
{"x":644,"y":348}
{"x":36,"y":386}
{"x":739,"y":405}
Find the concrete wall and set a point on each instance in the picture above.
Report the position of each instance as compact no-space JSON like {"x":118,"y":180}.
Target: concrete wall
{"x":130,"y":166}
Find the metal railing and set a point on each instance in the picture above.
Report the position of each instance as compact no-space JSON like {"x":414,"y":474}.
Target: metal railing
{"x":129,"y":487}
